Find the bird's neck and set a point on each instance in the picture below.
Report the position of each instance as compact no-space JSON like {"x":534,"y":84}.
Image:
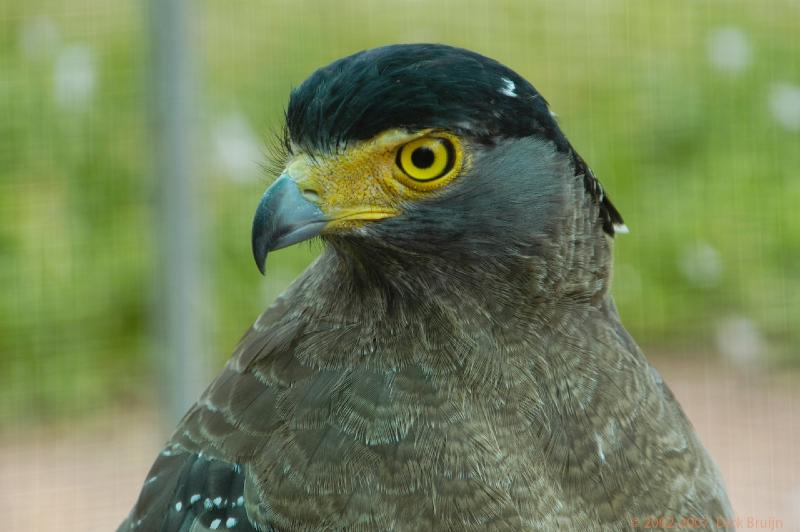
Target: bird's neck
{"x":572,"y":267}
{"x":424,"y":307}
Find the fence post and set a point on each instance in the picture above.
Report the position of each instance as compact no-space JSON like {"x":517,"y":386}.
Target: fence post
{"x":180,"y":360}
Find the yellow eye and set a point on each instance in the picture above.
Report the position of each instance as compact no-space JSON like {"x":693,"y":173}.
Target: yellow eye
{"x":427,"y":161}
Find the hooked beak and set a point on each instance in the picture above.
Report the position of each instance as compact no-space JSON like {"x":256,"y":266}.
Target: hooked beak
{"x":284,"y":217}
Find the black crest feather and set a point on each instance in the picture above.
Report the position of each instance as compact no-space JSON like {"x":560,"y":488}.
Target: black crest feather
{"x":416,"y":86}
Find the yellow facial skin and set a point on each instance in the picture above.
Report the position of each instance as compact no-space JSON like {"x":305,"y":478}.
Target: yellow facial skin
{"x":367,"y":181}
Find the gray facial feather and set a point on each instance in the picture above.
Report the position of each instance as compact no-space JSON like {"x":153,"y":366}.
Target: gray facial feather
{"x":510,"y":200}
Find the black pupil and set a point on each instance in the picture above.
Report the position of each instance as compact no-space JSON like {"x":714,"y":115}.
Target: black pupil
{"x":422,"y":157}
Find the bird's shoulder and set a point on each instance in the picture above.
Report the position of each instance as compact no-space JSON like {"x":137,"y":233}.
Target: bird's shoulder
{"x":626,"y":448}
{"x":198,"y":481}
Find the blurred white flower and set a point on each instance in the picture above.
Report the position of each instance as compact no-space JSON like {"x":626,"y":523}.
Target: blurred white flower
{"x":739,"y":339}
{"x":236,"y":150}
{"x":728,"y":50}
{"x":38,"y":38}
{"x":74,"y":76}
{"x":701,"y":265}
{"x":784,"y":102}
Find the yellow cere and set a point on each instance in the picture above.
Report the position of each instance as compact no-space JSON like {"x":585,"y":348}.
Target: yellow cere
{"x":371,"y":180}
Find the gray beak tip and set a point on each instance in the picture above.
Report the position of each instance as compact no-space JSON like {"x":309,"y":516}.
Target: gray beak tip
{"x":283,"y":217}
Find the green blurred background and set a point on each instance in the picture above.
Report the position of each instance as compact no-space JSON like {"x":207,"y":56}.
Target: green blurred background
{"x":689,"y":112}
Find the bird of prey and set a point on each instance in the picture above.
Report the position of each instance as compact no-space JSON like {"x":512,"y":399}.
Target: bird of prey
{"x":453,"y":360}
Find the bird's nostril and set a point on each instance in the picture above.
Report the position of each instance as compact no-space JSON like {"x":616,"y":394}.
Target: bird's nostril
{"x":311,"y":195}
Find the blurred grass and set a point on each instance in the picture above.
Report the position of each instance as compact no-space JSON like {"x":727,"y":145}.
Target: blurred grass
{"x":704,"y":174}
